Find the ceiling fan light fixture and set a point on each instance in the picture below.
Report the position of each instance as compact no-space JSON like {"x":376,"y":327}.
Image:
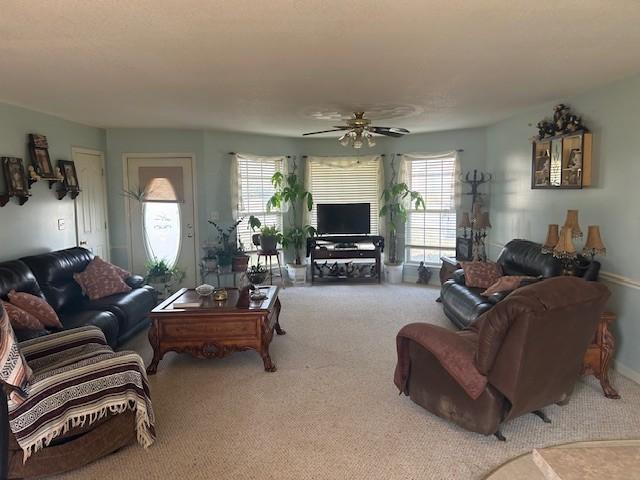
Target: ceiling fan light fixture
{"x":344,"y":140}
{"x":371,"y":141}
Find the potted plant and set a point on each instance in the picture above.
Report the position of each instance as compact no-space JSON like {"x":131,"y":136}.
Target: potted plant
{"x":270,"y":236}
{"x":257,"y":273}
{"x":227,"y":248}
{"x":240,"y":259}
{"x":290,"y":192}
{"x":397,"y":197}
{"x":161,"y":276}
{"x":210,"y":259}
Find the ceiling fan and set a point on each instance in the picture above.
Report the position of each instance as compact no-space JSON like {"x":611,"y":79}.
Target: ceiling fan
{"x":359,"y":129}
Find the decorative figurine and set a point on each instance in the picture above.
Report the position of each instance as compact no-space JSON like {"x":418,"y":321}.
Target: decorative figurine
{"x":424,"y":274}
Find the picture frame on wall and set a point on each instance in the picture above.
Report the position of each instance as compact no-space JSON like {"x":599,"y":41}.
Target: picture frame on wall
{"x":562,"y":162}
{"x":464,"y":249}
{"x":40,"y":160}
{"x":15,"y":179}
{"x":69,"y":174}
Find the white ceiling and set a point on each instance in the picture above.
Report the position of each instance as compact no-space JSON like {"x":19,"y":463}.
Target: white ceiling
{"x":267,"y":66}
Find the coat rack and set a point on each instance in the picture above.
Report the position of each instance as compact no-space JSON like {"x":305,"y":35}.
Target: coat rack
{"x":474,"y":223}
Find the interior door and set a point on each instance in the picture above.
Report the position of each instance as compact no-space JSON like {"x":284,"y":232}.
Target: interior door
{"x":91,"y":204}
{"x":162,"y":218}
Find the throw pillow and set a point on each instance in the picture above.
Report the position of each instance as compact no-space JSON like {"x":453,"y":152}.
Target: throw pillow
{"x":37,"y":307}
{"x":508,"y":283}
{"x":21,"y":319}
{"x":101,"y":279}
{"x":481,"y":274}
{"x":14,"y":370}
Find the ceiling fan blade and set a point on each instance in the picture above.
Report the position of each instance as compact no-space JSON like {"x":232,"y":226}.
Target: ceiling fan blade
{"x":336,"y":129}
{"x":389,"y":131}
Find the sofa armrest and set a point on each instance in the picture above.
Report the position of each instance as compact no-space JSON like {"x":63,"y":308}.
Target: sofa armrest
{"x":135,"y":281}
{"x":494,"y":298}
{"x":458,"y":277}
{"x":42,"y":346}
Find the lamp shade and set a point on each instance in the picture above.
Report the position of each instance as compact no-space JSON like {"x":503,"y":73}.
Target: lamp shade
{"x":572,"y":223}
{"x":464,"y":221}
{"x":594,"y":244}
{"x":552,"y":238}
{"x":565,"y":248}
{"x":483,"y":221}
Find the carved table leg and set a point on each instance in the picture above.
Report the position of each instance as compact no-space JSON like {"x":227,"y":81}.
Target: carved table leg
{"x":608,"y":348}
{"x":279,"y":329}
{"x":268,"y":364}
{"x":154,"y":341}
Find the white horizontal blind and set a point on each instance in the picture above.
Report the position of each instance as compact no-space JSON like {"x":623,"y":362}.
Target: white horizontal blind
{"x":431,"y":233}
{"x":255,"y":189}
{"x":354,"y":184}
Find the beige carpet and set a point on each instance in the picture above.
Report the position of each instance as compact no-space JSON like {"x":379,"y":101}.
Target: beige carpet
{"x":331,"y":410}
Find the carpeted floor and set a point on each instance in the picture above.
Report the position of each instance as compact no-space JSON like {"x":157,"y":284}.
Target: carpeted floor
{"x":331,"y":410}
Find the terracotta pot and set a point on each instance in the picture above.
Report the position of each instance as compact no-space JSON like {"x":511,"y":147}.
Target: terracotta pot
{"x":240,"y":263}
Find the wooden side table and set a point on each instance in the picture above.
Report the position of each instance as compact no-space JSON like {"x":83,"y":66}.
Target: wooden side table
{"x":597,"y":360}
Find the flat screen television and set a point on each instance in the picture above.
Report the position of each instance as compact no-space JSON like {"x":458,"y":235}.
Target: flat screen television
{"x":344,"y":218}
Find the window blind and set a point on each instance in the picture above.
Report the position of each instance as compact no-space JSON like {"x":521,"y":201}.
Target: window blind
{"x":254,"y":190}
{"x":431,"y":233}
{"x":351,"y":182}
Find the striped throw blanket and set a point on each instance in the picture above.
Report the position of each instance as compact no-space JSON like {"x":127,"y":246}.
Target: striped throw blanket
{"x":77,"y":380}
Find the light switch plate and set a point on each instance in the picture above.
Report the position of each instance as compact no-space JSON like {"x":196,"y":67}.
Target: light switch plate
{"x":61,"y":224}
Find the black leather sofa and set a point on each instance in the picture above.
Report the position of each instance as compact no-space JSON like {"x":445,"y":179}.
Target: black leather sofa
{"x":50,"y":276}
{"x":462,"y":304}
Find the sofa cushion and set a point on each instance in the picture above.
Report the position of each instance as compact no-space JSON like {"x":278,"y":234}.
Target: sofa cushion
{"x":101,"y":279}
{"x":523,"y":257}
{"x":36,"y":306}
{"x":508,"y":283}
{"x":481,"y":274}
{"x":54,"y":272}
{"x":105,"y":321}
{"x":130,"y":308}
{"x":20,"y":318}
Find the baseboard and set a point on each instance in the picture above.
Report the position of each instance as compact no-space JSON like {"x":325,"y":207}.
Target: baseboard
{"x":630,"y":373}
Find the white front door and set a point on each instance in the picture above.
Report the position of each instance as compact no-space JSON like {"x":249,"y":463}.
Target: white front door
{"x":162,"y":223}
{"x":91,"y":204}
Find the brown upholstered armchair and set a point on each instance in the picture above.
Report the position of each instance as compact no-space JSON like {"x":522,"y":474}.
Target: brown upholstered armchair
{"x":522,"y":355}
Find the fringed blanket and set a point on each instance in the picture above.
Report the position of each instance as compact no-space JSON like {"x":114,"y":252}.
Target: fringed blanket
{"x":78,"y":379}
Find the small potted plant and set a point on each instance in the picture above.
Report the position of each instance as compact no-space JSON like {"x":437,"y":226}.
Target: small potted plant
{"x":270,"y":236}
{"x":226,"y":249}
{"x":161,"y":276}
{"x":210,"y":259}
{"x":240,"y":259}
{"x":396,"y":199}
{"x":257,"y":273}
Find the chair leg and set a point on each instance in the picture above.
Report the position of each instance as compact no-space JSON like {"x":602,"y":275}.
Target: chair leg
{"x":270,"y":270}
{"x":500,"y":436}
{"x":280,"y":269}
{"x":542,"y":415}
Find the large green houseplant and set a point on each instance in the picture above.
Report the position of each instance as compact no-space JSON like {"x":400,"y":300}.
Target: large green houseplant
{"x":397,"y":199}
{"x":290,"y":192}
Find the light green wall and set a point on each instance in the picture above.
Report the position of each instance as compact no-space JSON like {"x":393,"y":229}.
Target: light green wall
{"x":33,"y":227}
{"x":613,"y":115}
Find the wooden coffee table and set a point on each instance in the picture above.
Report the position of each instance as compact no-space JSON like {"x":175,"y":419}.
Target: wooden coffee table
{"x":185,"y":323}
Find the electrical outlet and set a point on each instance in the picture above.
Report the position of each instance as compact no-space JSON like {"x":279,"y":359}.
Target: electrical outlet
{"x":61,"y":224}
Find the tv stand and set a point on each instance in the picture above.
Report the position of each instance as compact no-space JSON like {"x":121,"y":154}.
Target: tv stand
{"x":349,"y":249}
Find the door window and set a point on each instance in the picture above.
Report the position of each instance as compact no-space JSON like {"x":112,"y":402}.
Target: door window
{"x":162,"y":231}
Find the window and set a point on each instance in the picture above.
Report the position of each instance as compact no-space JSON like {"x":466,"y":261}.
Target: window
{"x":345,"y":180}
{"x":431,"y":233}
{"x":254,"y":191}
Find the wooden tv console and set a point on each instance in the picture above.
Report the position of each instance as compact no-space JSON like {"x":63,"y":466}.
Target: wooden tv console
{"x":328,"y":248}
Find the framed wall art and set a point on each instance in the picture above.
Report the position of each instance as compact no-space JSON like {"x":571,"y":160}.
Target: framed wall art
{"x":15,"y":179}
{"x":70,"y":183}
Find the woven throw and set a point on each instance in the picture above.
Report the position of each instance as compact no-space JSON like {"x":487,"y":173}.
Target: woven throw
{"x":77,"y":380}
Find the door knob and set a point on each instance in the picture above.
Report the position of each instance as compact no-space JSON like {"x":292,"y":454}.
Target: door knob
{"x":82,"y":242}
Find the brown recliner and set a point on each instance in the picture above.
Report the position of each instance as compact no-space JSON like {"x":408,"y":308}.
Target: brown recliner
{"x":522,"y":355}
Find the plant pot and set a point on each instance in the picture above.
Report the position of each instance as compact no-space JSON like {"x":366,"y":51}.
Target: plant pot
{"x":268,"y":243}
{"x":297,"y":273}
{"x":257,"y":277}
{"x":225,"y":268}
{"x":210,"y":264}
{"x":240,"y":263}
{"x":393,"y":273}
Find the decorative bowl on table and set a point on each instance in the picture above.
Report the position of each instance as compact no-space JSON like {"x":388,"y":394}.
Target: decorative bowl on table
{"x":204,"y":290}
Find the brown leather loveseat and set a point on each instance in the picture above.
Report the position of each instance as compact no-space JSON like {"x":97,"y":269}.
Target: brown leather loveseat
{"x":520,"y":356}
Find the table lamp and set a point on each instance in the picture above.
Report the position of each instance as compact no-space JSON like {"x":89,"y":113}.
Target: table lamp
{"x":572,"y":222}
{"x":594,"y":245}
{"x":552,"y":238}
